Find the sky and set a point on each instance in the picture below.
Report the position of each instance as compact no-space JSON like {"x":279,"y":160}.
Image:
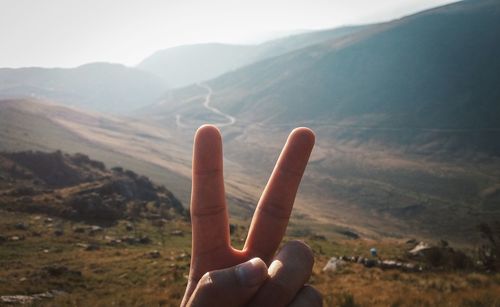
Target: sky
{"x":68,"y":33}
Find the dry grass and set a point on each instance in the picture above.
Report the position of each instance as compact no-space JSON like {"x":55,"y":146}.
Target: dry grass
{"x":124,"y":275}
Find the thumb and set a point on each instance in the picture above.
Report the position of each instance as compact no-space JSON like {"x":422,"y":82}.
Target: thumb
{"x":234,"y":286}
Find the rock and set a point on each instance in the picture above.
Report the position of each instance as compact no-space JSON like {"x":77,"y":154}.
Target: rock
{"x":129,"y":239}
{"x":333,"y":264}
{"x":28,"y":299}
{"x":352,"y":258}
{"x":92,"y":247}
{"x":59,"y":270}
{"x":182,"y":256}
{"x":48,"y":220}
{"x":93,"y":230}
{"x":17,"y":299}
{"x":16,"y":238}
{"x":440,"y":256}
{"x":78,"y":229}
{"x":154,"y":254}
{"x":411,"y":267}
{"x":21,"y":226}
{"x":370,"y":263}
{"x":177,"y":232}
{"x":88,"y":246}
{"x":144,"y":240}
{"x":388,"y":264}
{"x":419,"y":248}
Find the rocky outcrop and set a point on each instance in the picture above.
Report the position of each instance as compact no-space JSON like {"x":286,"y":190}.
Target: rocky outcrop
{"x":78,"y":188}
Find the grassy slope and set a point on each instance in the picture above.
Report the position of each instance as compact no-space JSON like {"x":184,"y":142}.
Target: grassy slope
{"x":373,"y":190}
{"x":22,"y":129}
{"x":126,"y":275}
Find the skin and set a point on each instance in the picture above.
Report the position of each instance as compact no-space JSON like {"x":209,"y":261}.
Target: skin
{"x":214,"y":261}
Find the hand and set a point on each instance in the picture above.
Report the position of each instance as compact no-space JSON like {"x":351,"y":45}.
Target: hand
{"x":211,"y":249}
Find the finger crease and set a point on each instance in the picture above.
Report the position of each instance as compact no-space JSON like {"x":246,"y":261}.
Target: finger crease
{"x":209,"y":211}
{"x":274,"y":211}
{"x":205,"y":173}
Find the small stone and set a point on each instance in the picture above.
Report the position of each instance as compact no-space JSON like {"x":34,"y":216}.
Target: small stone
{"x":177,"y":233}
{"x":370,"y":263}
{"x":21,"y":226}
{"x":154,"y":254}
{"x":92,"y":247}
{"x":78,"y":229}
{"x":93,"y":230}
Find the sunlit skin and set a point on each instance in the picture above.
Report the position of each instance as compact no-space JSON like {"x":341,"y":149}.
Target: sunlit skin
{"x":211,"y":246}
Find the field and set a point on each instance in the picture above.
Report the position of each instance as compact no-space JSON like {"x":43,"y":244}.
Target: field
{"x":91,"y":270}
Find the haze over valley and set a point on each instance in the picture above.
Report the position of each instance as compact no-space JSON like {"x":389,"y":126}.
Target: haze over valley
{"x":406,"y":115}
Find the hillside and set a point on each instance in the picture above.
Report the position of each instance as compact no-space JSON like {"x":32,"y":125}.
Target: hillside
{"x":407,"y":139}
{"x":78,"y":188}
{"x":185,"y":65}
{"x":424,"y":79}
{"x":104,"y":87}
{"x":28,"y":124}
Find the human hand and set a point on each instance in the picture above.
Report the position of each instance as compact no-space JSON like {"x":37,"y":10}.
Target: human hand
{"x":215,"y":262}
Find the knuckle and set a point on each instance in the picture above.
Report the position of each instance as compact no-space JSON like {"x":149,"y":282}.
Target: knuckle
{"x":281,"y":291}
{"x":301,"y":249}
{"x":312,"y":296}
{"x":206,"y":282}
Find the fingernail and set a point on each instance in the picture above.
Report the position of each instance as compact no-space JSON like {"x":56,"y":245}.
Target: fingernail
{"x":252,"y":272}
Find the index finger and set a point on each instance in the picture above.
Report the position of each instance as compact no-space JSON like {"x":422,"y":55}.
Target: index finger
{"x":275,"y":206}
{"x":208,"y":204}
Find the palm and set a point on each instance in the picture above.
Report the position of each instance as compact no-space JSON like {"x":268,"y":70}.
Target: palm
{"x":211,"y":246}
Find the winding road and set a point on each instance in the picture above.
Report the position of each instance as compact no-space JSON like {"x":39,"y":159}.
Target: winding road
{"x":206,"y":104}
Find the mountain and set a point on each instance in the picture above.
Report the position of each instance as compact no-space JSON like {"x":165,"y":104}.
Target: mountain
{"x":405,"y":115}
{"x":185,"y":65}
{"x":97,"y":86}
{"x":433,"y":73}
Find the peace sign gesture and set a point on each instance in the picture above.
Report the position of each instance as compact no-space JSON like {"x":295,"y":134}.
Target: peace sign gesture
{"x":229,"y":269}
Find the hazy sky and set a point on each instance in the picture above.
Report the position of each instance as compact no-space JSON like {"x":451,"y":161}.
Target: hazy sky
{"x":67,"y":33}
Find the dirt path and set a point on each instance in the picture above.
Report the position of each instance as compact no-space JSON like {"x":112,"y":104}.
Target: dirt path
{"x":206,"y":104}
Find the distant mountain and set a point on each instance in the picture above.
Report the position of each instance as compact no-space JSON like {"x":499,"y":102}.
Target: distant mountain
{"x":97,"y":86}
{"x":184,"y":65}
{"x":436,"y":71}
